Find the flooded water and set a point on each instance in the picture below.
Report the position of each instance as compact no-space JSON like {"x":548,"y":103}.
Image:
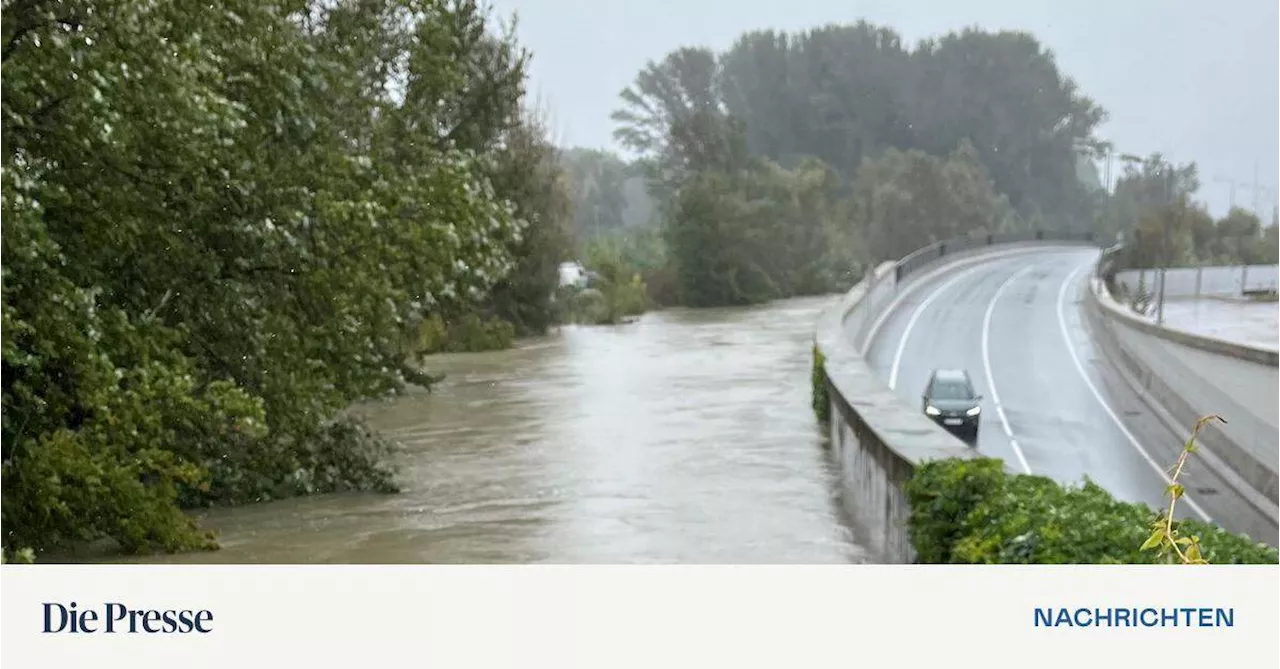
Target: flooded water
{"x":686,"y":437}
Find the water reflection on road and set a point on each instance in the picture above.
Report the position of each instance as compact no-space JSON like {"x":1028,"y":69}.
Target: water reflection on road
{"x":685,"y":437}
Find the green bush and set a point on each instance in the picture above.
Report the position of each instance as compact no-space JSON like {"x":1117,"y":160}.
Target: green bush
{"x":627,"y":299}
{"x":610,"y":304}
{"x":973,"y":512}
{"x":471,"y":333}
{"x":617,"y":293}
{"x":20,"y":556}
{"x":821,"y":403}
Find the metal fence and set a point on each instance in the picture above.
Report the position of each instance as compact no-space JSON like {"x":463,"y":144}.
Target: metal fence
{"x":1230,"y":281}
{"x":880,"y":292}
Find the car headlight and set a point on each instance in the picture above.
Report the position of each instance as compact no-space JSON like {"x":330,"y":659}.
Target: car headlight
{"x":974,"y":411}
{"x":932,"y":411}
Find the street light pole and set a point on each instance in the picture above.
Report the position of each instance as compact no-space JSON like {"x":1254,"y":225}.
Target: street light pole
{"x":1255,"y":189}
{"x":1160,"y":300}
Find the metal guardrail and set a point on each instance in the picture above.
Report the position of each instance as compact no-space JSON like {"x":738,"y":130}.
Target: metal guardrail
{"x":1199,"y":281}
{"x":881,"y":287}
{"x":937,"y":250}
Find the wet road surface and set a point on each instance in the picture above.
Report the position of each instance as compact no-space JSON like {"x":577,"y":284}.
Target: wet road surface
{"x":687,"y":437}
{"x":1052,"y":406}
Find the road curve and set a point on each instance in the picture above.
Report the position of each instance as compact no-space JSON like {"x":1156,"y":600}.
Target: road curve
{"x":1052,"y":406}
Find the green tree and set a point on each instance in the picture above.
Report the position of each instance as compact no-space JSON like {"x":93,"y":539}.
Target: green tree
{"x":906,"y":199}
{"x":598,"y":182}
{"x":838,"y":93}
{"x":219,"y":222}
{"x":743,"y":230}
{"x":1165,"y":234}
{"x":1145,"y":183}
{"x":1153,"y":206}
{"x":1239,"y":239}
{"x":531,"y":177}
{"x":844,"y":93}
{"x":733,"y":136}
{"x":1004,"y":93}
{"x":1269,"y":249}
{"x":673,"y":115}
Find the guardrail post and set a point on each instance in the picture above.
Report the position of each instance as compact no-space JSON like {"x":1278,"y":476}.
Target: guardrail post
{"x":1244,"y":280}
{"x":942,"y":249}
{"x":989,"y":236}
{"x":1039,"y":235}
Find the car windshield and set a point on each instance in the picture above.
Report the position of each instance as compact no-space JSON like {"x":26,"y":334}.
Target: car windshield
{"x":951,"y":390}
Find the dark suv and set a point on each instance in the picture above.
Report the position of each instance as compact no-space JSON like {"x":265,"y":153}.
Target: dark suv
{"x":950,"y":400}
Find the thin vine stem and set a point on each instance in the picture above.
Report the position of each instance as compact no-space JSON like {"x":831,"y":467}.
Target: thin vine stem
{"x":1164,"y":536}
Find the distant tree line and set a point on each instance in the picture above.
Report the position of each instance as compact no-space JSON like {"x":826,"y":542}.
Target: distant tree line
{"x":788,"y":163}
{"x":1153,"y":211}
{"x":226,"y":222}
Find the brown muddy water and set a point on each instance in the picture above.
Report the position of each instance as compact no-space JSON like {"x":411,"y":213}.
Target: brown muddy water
{"x":686,"y":437}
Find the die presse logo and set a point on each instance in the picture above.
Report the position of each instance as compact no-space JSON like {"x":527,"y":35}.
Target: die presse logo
{"x":116,"y":618}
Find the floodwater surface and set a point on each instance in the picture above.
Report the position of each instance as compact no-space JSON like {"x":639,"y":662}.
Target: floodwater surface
{"x":686,"y":437}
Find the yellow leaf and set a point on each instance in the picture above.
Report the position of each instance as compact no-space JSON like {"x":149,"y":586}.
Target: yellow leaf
{"x":1153,"y":540}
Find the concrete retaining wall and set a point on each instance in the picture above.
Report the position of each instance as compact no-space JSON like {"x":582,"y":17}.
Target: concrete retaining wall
{"x":876,"y":437}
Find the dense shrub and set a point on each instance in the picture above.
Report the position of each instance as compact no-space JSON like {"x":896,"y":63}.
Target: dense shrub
{"x":973,"y":512}
{"x":220,"y":225}
{"x":469,"y":333}
{"x":610,"y":304}
{"x":20,"y":556}
{"x":618,"y":291}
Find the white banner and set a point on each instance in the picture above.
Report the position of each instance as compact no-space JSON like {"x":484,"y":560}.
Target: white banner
{"x":241,"y":617}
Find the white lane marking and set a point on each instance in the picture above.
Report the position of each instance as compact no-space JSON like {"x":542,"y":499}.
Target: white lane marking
{"x":1066,"y":338}
{"x":986,"y":365}
{"x":923,"y":279}
{"x":915,"y":316}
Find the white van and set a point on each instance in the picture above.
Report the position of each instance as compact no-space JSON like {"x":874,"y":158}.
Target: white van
{"x":573,"y":274}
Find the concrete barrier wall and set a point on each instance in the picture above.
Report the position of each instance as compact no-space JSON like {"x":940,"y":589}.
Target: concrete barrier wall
{"x":1188,"y":376}
{"x":877,"y":438}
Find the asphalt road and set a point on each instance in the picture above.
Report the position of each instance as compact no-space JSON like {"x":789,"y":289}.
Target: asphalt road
{"x":1052,"y":406}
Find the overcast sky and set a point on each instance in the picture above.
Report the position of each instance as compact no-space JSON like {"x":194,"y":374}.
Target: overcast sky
{"x":1198,"y":81}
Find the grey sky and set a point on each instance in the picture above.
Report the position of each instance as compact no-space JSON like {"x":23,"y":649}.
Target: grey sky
{"x":1197,"y":81}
